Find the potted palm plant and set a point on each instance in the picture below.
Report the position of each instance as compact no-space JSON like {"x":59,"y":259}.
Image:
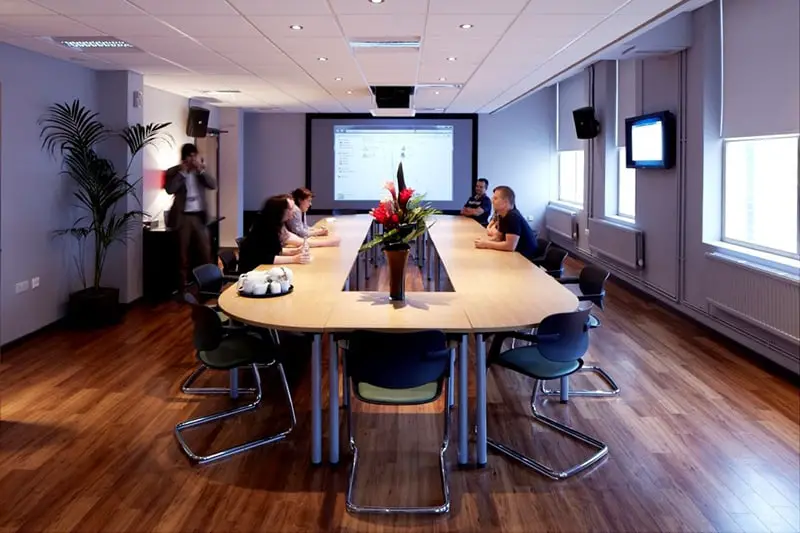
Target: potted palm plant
{"x":74,"y":133}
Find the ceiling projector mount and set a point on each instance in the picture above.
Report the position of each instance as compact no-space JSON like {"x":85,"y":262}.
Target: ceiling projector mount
{"x":393,"y":101}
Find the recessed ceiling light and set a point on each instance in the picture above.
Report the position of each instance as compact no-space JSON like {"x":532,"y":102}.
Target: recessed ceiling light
{"x":349,"y":92}
{"x":295,"y":27}
{"x":322,"y":59}
{"x":465,"y":26}
{"x":437,"y":92}
{"x":442,"y":79}
{"x":337,"y":78}
{"x":452,"y":58}
{"x":375,"y":1}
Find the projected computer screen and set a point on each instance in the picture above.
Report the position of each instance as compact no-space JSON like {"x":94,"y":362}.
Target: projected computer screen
{"x":647,"y":141}
{"x":365,"y":157}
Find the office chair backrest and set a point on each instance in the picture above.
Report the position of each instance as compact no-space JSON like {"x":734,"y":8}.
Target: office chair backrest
{"x":207,"y":333}
{"x":229,"y":262}
{"x":564,"y":337}
{"x":239,"y":241}
{"x":542,"y":246}
{"x":554,"y":259}
{"x":592,"y":282}
{"x":397,"y":360}
{"x":208,"y":278}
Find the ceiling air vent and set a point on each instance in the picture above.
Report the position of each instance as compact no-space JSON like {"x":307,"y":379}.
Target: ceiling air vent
{"x":412,"y":43}
{"x":95,"y":44}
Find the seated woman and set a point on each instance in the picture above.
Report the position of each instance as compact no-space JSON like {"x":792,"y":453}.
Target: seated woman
{"x":296,"y":228}
{"x":263,"y":246}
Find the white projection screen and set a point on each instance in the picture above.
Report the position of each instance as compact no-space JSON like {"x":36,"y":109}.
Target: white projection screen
{"x":350,"y":158}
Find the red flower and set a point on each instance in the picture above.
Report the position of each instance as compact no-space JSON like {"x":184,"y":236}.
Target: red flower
{"x":395,"y":218}
{"x":405,"y":196}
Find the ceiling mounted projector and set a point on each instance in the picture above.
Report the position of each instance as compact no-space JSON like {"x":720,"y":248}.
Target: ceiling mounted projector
{"x":393,"y":101}
{"x":393,"y":112}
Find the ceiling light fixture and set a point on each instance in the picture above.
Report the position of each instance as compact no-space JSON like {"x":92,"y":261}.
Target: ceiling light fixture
{"x":375,"y":1}
{"x":465,"y":26}
{"x":436,"y":92}
{"x":83,"y":43}
{"x":442,"y":79}
{"x":337,"y":78}
{"x":322,"y":59}
{"x":452,"y":58}
{"x":385,"y":43}
{"x":349,"y":92}
{"x":295,"y":27}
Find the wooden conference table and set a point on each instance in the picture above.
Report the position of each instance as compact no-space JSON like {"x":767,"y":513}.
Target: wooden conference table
{"x":493,"y":291}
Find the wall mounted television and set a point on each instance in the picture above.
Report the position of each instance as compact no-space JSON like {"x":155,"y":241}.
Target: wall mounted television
{"x":650,"y":141}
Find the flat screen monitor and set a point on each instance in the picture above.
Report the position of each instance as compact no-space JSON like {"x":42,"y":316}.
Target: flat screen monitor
{"x":650,"y":141}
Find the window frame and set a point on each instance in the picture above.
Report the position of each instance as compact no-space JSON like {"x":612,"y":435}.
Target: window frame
{"x":723,"y":197}
{"x":559,"y":199}
{"x":620,"y":169}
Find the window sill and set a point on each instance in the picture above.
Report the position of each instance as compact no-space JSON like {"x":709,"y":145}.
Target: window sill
{"x":625,"y":221}
{"x":757,"y":260}
{"x":566,"y":206}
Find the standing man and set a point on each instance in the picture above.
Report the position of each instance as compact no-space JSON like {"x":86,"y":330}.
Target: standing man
{"x":189,"y":181}
{"x":479,"y":206}
{"x":513,"y":232}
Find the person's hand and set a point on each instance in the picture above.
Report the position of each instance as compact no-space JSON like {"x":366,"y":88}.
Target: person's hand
{"x":292,"y":251}
{"x":323,"y":231}
{"x":303,"y":258}
{"x":492,"y":232}
{"x":480,"y":243}
{"x":200,"y":165}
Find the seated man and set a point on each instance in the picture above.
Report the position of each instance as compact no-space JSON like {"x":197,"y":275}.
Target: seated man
{"x":479,"y":206}
{"x":513,"y":232}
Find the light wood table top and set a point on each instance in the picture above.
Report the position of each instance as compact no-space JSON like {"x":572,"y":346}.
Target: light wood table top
{"x":494,"y":291}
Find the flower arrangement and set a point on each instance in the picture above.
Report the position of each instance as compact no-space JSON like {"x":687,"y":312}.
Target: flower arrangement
{"x":404,"y":217}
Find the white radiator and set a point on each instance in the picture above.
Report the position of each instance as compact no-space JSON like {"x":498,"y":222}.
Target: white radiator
{"x":622,"y":244}
{"x":562,"y":222}
{"x":749,"y":296}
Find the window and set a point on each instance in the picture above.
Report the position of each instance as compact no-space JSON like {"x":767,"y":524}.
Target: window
{"x":760,"y":194}
{"x":570,"y":176}
{"x":626,"y":187}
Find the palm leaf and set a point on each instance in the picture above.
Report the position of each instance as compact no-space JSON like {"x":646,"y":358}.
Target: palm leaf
{"x":138,"y":136}
{"x":70,"y":128}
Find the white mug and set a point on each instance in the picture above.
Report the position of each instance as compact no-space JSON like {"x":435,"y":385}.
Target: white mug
{"x":249,"y":282}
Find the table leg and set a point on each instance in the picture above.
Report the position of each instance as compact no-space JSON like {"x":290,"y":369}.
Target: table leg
{"x":451,"y":393}
{"x":564,"y":389}
{"x":480,"y":396}
{"x":333,"y":399}
{"x":463,"y":403}
{"x":316,"y":400}
{"x":234,"y":382}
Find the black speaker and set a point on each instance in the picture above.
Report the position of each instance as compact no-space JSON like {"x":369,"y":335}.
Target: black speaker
{"x":586,"y":125}
{"x":197,"y":123}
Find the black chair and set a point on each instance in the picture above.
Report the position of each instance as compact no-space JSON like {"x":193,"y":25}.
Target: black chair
{"x":210,"y":281}
{"x":542,"y":247}
{"x":555,"y":351}
{"x":589,"y":286}
{"x":219,"y":350}
{"x":397,"y":369}
{"x":553,"y":262}
{"x":230,"y":264}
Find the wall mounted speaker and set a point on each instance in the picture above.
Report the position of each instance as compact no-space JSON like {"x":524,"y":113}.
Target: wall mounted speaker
{"x":197,"y":123}
{"x":586,"y":125}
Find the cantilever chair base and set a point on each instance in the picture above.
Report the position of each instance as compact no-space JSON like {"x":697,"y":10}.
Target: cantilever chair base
{"x":612,"y":391}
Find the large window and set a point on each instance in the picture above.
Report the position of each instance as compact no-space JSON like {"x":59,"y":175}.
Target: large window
{"x":570,"y":176}
{"x":626,"y":187}
{"x":760,"y":194}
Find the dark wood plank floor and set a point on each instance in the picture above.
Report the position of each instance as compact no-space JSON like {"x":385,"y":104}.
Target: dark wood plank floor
{"x":701,"y":439}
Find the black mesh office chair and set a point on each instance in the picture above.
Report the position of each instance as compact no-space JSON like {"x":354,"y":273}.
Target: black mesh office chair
{"x":553,"y":262}
{"x":220,"y":350}
{"x":397,"y":369}
{"x":589,"y":286}
{"x":555,"y":351}
{"x":230,"y":264}
{"x":542,"y":247}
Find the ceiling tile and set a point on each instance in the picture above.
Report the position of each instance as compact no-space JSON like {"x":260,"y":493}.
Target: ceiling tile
{"x":574,"y":7}
{"x":459,"y":7}
{"x":471,"y":51}
{"x":396,"y":67}
{"x":452,"y":72}
{"x":313,"y":26}
{"x":484,"y":27}
{"x":183,"y":7}
{"x":281,"y":7}
{"x":132,"y":26}
{"x":199,"y":26}
{"x":90,"y":7}
{"x":22,"y":7}
{"x":398,"y":25}
{"x":47,"y":26}
{"x":362,"y":7}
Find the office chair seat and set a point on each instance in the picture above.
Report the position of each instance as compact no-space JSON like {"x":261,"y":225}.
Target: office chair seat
{"x":422,"y":394}
{"x":233,"y":352}
{"x":529,"y":361}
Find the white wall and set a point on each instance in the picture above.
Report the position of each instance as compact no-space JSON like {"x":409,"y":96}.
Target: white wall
{"x":274,"y":155}
{"x":516,"y":148}
{"x":161,"y":106}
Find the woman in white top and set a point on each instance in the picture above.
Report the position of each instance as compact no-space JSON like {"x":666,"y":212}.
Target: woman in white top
{"x":297,"y":231}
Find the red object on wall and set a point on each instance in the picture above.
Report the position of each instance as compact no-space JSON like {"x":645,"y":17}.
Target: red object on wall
{"x":163,"y":179}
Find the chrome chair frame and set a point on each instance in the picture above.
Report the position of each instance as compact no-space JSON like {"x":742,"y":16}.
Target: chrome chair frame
{"x":363,"y":509}
{"x":602,"y":448}
{"x":222,"y":454}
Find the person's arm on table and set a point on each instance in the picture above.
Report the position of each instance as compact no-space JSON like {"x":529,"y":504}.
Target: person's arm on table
{"x":509,"y":244}
{"x":324,"y":242}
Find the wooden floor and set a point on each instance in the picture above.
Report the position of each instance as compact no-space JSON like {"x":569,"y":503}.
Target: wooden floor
{"x":701,"y":439}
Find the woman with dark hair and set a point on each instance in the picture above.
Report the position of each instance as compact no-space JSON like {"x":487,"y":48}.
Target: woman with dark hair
{"x":297,"y":232}
{"x":263,"y":246}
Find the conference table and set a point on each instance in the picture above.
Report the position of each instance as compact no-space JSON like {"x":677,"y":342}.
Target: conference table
{"x":492,"y":292}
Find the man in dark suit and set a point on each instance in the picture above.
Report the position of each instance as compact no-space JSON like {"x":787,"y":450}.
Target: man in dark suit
{"x":188,"y":182}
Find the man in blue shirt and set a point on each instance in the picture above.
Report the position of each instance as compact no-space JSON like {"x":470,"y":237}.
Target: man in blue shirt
{"x":479,"y":206}
{"x":513,"y":232}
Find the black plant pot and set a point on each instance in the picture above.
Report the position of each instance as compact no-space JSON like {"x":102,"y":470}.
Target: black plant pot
{"x":94,"y":308}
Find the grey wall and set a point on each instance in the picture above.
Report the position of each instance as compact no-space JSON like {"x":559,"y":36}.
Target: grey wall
{"x":274,"y":155}
{"x":516,"y":147}
{"x":33,"y":197}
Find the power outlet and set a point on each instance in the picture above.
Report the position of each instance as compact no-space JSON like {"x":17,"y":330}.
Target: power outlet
{"x":35,"y":282}
{"x":22,"y":286}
